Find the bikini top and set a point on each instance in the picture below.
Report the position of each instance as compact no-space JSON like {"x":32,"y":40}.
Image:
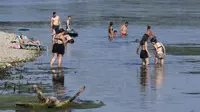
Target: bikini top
{"x":109,"y":30}
{"x":160,"y":46}
{"x":66,"y":37}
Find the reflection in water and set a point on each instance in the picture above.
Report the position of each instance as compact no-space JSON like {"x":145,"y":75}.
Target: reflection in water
{"x":143,"y":85}
{"x":58,"y":84}
{"x":143,"y":77}
{"x":150,"y":85}
{"x":58,"y":81}
{"x":157,"y":77}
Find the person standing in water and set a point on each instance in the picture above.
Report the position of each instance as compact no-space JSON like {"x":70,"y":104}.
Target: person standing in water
{"x":123,"y":29}
{"x":144,"y":54}
{"x":68,"y":23}
{"x":55,"y":23}
{"x":110,"y":31}
{"x":149,"y":33}
{"x":58,"y":48}
{"x":160,"y":51}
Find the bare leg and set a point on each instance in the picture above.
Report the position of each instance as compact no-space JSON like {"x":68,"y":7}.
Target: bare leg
{"x":147,"y":61}
{"x":53,"y":59}
{"x":110,"y":37}
{"x":162,"y":61}
{"x":60,"y":60}
{"x":143,"y":62}
{"x":156,"y":61}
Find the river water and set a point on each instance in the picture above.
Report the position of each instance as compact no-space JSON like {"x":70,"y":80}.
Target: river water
{"x":110,"y":70}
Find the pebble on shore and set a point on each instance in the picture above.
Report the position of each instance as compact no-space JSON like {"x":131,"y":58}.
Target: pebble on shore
{"x":12,"y":57}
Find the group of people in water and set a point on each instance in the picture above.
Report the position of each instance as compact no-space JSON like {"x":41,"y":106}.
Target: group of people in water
{"x":123,"y":31}
{"x":60,"y":38}
{"x":159,"y":52}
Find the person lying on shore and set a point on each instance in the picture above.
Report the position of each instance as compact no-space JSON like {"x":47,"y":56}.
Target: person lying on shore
{"x":24,"y":40}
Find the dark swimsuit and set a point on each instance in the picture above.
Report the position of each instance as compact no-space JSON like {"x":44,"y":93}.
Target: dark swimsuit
{"x":143,"y":54}
{"x":56,"y":28}
{"x":58,"y":48}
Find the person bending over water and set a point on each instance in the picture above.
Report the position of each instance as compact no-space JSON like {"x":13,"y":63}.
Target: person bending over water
{"x":68,"y":23}
{"x":123,"y":29}
{"x":55,"y":23}
{"x":58,"y":48}
{"x":144,"y":54}
{"x":149,"y":33}
{"x":160,"y":51}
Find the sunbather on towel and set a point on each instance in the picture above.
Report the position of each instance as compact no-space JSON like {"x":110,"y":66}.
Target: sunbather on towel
{"x":24,"y":40}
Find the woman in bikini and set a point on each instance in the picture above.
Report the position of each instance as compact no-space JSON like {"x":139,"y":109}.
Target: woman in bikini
{"x":110,"y":31}
{"x":160,"y":51}
{"x":144,"y":53}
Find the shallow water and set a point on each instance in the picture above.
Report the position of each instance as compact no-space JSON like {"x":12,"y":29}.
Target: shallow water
{"x":111,"y":70}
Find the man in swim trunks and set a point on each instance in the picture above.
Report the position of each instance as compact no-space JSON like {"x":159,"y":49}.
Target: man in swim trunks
{"x":67,"y":23}
{"x":123,"y":29}
{"x":55,"y":23}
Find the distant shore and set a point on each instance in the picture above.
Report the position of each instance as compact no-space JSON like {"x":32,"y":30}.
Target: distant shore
{"x":9,"y":56}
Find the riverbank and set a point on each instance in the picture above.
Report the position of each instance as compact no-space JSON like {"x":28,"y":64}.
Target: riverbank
{"x":9,"y":56}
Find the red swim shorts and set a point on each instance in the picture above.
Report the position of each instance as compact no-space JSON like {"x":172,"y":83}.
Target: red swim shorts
{"x":123,"y":34}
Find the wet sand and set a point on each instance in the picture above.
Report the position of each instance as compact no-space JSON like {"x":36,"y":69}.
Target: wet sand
{"x":11,"y":57}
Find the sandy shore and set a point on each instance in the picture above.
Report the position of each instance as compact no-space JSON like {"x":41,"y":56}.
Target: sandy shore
{"x":11,"y":57}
